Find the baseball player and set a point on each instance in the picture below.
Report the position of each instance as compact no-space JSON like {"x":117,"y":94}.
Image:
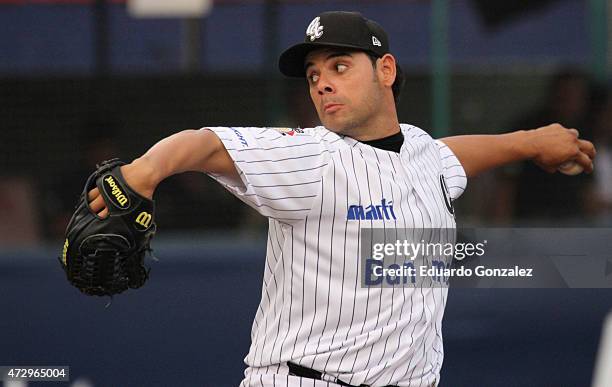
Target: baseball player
{"x":316,"y":325}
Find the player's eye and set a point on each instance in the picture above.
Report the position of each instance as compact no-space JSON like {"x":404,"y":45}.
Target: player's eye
{"x":341,"y":67}
{"x":313,"y":77}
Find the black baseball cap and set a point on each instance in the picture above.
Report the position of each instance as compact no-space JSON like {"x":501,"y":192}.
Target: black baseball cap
{"x":336,"y":29}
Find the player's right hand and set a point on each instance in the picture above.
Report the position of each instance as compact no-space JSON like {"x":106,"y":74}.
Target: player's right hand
{"x":555,"y":145}
{"x":137,"y":174}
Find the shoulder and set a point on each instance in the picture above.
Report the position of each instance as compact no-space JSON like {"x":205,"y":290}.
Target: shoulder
{"x":328,"y":139}
{"x":414,"y":132}
{"x":264,"y":138}
{"x":419,"y":142}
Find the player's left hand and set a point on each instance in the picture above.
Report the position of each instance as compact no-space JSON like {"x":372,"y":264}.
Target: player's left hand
{"x":554,"y":145}
{"x":105,"y":255}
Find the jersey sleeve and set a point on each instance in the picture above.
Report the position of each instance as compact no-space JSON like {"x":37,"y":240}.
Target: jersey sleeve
{"x":452,"y":170}
{"x":280,"y":169}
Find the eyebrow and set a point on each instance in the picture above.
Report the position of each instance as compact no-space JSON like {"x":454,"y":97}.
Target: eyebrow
{"x":330,"y":56}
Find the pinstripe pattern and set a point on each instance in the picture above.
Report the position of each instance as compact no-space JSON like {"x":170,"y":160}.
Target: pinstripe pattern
{"x":313,"y":310}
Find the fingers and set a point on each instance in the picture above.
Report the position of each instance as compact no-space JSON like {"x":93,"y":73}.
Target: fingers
{"x":587,"y":147}
{"x":575,"y":132}
{"x":92,"y":194}
{"x":585,"y":161}
{"x":586,"y":154}
{"x":96,"y":203}
{"x":103,"y":213}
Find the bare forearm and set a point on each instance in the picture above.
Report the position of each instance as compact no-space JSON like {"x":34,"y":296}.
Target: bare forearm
{"x":181,"y":152}
{"x":189,"y":150}
{"x":549,"y":147}
{"x":479,"y":153}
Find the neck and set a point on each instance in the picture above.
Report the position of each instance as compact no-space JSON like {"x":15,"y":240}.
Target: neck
{"x":382,"y":125}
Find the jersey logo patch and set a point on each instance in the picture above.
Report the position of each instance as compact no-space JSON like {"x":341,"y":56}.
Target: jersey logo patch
{"x":289,"y":131}
{"x":382,"y":211}
{"x":315,"y":29}
{"x":446,"y":194}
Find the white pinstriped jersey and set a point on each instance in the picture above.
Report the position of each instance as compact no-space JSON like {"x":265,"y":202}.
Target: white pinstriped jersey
{"x":314,"y":310}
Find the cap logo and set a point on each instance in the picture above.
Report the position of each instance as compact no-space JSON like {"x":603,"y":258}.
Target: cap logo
{"x":376,"y":42}
{"x":315,"y":29}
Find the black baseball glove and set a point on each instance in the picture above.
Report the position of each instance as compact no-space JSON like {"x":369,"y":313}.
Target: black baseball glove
{"x":105,"y":256}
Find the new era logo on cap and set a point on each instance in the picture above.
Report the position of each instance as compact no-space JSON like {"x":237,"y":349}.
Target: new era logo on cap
{"x":376,"y":42}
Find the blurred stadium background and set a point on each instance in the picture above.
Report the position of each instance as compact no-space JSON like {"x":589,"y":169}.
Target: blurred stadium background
{"x":85,"y":80}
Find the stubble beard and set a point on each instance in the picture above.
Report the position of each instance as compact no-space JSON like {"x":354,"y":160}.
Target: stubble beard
{"x":357,"y":123}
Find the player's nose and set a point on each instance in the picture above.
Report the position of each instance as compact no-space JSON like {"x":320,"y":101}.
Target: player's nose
{"x":324,"y":85}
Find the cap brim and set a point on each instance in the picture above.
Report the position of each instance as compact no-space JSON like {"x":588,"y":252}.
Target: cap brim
{"x":291,"y":62}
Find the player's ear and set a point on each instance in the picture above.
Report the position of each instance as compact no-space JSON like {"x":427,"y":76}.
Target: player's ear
{"x":387,"y":69}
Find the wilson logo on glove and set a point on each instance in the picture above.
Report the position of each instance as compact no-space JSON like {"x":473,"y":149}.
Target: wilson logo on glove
{"x":144,"y":219}
{"x":119,"y":198}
